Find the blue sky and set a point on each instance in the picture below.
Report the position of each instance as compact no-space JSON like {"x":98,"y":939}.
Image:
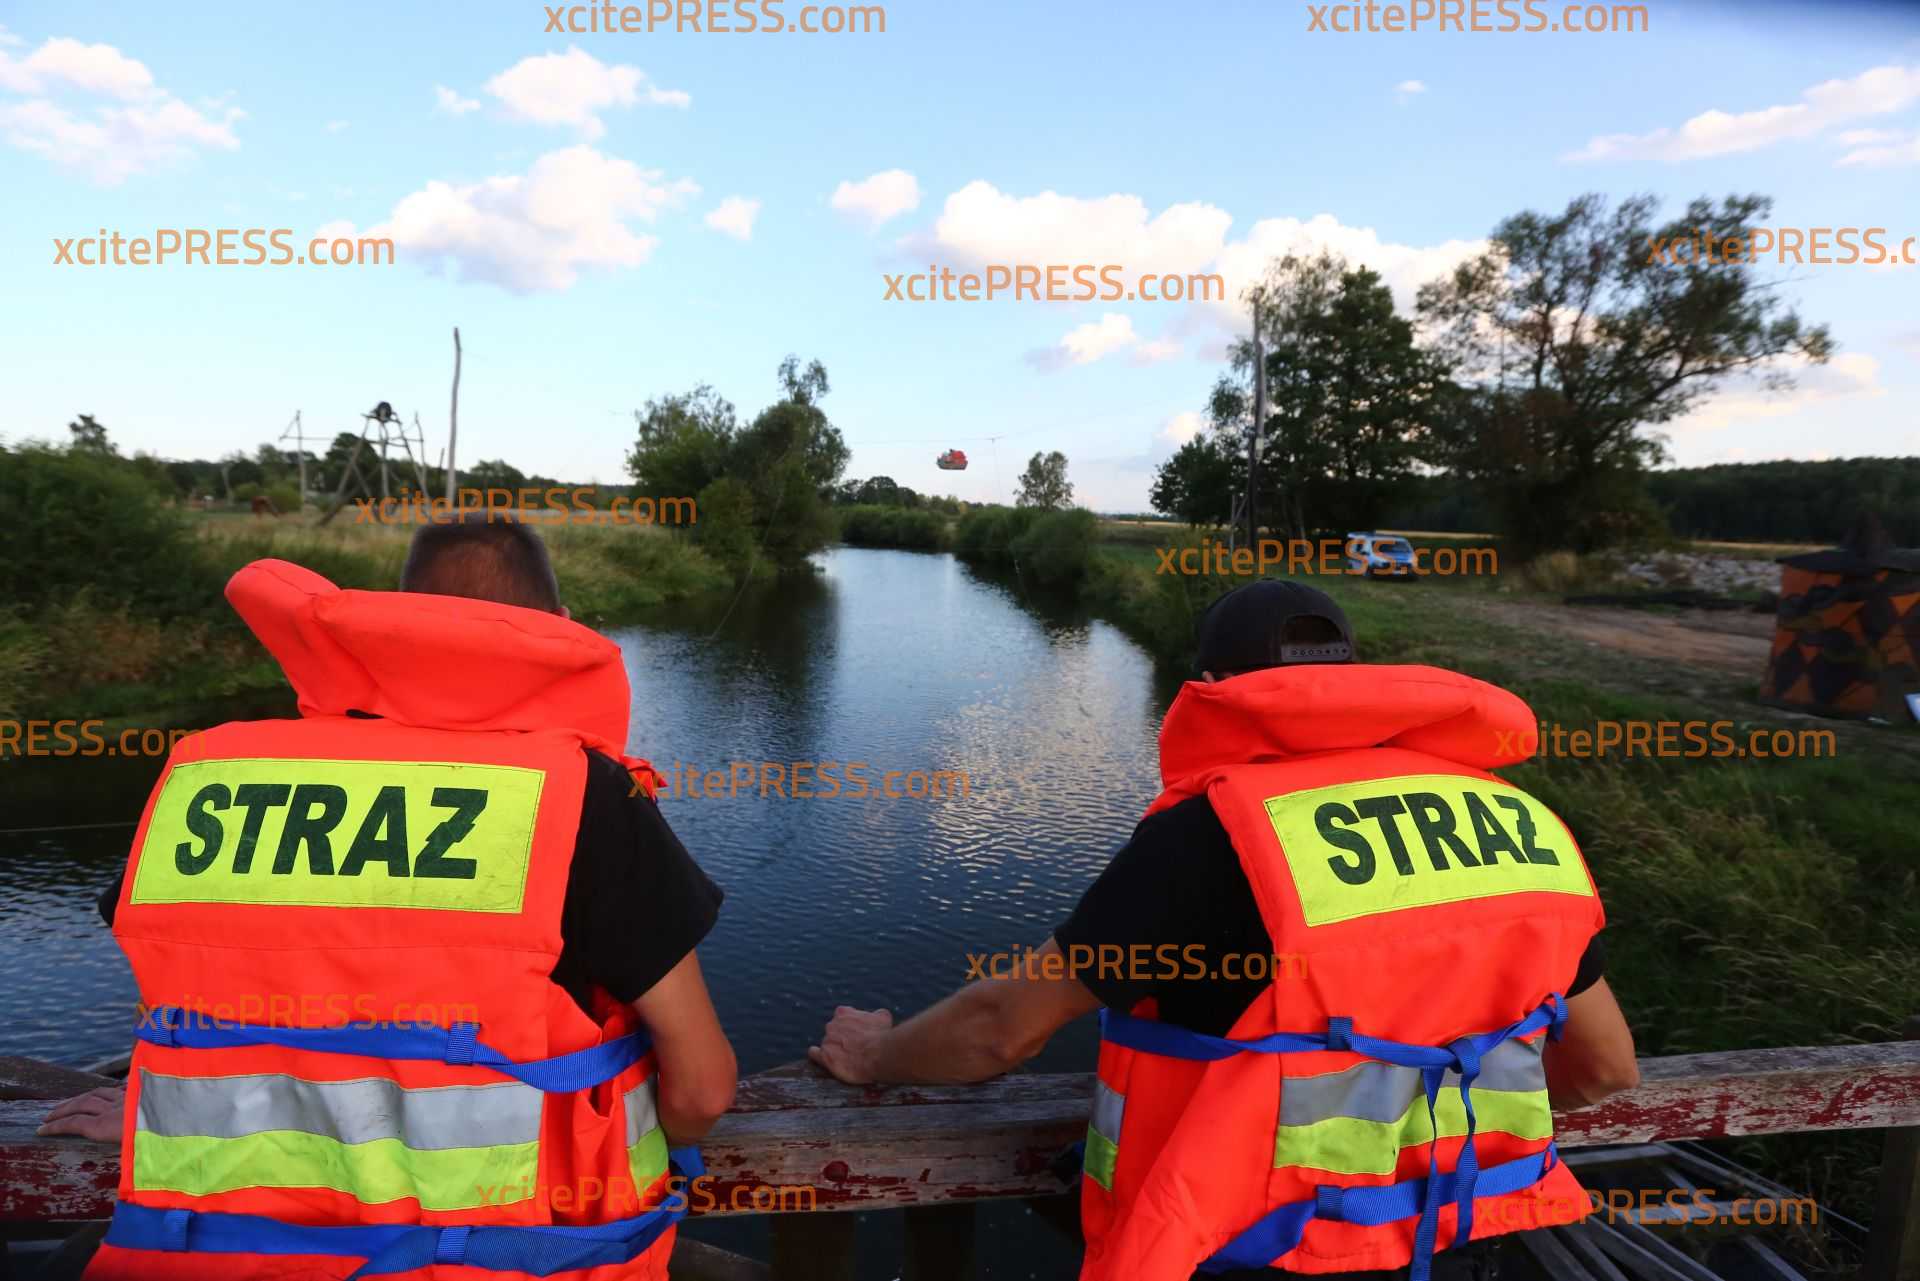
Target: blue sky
{"x":561,"y":208}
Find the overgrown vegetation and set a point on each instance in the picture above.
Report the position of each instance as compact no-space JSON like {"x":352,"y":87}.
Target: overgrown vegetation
{"x":1049,"y":548}
{"x":762,"y":489}
{"x":111,"y":597}
{"x":908,"y":528}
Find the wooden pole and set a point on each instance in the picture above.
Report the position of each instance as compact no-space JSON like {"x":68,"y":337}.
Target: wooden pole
{"x":1893,"y":1251}
{"x":453,"y":418}
{"x":1259,"y":423}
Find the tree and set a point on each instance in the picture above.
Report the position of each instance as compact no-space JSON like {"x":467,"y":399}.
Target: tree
{"x":803,"y":385}
{"x":90,"y":437}
{"x":1571,"y":338}
{"x":683,"y":444}
{"x":1044,"y":484}
{"x":1197,"y":484}
{"x":1348,"y":396}
{"x":780,"y":470}
{"x":492,"y":473}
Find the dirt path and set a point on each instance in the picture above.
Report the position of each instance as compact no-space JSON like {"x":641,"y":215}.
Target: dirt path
{"x":1736,"y":644}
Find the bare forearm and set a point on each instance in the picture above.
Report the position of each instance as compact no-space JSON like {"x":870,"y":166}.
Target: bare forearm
{"x":955,"y":1042}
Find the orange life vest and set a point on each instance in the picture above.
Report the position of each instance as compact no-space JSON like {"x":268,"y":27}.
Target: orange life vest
{"x":1384,"y":1097}
{"x":353,"y":1060}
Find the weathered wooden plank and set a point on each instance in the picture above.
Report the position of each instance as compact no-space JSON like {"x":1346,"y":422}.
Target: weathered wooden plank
{"x":1708,"y":1096}
{"x":32,"y":1079}
{"x":865,"y":1149}
{"x":1894,"y":1252}
{"x":42,"y":1179}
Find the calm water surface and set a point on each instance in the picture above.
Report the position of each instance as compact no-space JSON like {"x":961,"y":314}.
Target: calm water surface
{"x":902,"y":660}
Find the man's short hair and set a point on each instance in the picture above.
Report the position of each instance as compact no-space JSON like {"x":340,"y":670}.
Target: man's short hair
{"x":482,"y":556}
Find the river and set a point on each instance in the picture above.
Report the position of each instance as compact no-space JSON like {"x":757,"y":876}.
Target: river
{"x":905,"y":661}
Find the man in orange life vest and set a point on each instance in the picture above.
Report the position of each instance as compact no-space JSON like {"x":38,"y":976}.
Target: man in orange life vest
{"x":1375,"y":1092}
{"x":419,"y":966}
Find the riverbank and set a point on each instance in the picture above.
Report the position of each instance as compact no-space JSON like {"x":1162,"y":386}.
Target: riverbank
{"x":87,"y":655}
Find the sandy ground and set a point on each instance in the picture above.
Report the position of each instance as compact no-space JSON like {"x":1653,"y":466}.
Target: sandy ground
{"x":1734,"y":643}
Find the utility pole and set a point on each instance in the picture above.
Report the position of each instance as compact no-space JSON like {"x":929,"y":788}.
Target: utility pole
{"x":300,"y":447}
{"x":453,"y":418}
{"x":1259,"y":421}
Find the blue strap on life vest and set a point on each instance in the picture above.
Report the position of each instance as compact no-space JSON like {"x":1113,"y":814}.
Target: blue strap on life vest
{"x":1282,"y":1229}
{"x":393,"y":1248}
{"x":457,"y":1044}
{"x":1461,"y":1186}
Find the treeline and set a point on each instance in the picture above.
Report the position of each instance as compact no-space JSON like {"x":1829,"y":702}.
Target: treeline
{"x":1776,"y":502}
{"x":1792,"y":502}
{"x":238,"y":478}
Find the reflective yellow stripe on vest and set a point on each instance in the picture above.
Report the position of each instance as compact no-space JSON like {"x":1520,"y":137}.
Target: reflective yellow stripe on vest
{"x":1103,"y":1133}
{"x":1357,"y":1121}
{"x":451,"y":1147}
{"x":646,"y":1141}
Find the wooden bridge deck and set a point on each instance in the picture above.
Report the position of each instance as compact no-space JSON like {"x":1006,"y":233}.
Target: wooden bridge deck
{"x":921,"y":1148}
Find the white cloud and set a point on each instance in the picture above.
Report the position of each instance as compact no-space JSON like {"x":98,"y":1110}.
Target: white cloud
{"x":8,"y":39}
{"x":335,"y":126}
{"x":90,"y":68}
{"x":1909,"y":342}
{"x":734,"y":217}
{"x":1888,"y":150}
{"x":876,"y":199}
{"x":980,"y":226}
{"x":446,"y":100}
{"x":1850,"y":376}
{"x":1406,"y":90}
{"x":1112,"y":334}
{"x":137,"y":128}
{"x":573,"y":88}
{"x":1152,"y":352}
{"x":1182,"y":428}
{"x":1719,"y":133}
{"x":536,"y":232}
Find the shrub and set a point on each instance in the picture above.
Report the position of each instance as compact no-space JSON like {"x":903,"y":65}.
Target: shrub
{"x":72,"y":518}
{"x":869,"y":525}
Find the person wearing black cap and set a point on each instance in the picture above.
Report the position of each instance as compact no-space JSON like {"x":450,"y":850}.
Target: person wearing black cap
{"x":1282,"y":706}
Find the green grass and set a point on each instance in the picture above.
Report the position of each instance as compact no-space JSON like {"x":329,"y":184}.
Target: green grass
{"x":85,"y":657}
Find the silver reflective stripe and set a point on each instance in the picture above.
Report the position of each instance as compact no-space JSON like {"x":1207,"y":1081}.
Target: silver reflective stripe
{"x":1109,"y":1106}
{"x":1383,"y":1091}
{"x":357,"y":1111}
{"x":643,"y":1114}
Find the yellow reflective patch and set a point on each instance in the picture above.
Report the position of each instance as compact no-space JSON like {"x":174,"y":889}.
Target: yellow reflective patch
{"x":342,"y":834}
{"x":1357,"y":849}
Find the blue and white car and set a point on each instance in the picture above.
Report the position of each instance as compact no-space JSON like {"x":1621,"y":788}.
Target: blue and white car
{"x":1379,"y":555}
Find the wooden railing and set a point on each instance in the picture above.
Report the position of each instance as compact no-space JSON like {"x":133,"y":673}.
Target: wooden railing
{"x":934,"y":1151}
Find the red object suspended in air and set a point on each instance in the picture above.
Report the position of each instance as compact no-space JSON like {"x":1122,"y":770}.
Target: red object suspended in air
{"x":952,"y":460}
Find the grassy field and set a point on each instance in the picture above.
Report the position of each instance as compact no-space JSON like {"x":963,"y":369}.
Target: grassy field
{"x":88,"y":658}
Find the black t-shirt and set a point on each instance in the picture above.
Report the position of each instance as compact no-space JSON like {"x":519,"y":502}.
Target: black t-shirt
{"x":636,"y":902}
{"x":1179,"y":882}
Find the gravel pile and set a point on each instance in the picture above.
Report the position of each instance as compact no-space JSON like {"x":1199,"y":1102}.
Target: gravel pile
{"x":1720,"y":575}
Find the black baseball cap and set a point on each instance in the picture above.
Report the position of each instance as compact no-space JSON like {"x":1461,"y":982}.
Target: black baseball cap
{"x":1246,"y":629}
